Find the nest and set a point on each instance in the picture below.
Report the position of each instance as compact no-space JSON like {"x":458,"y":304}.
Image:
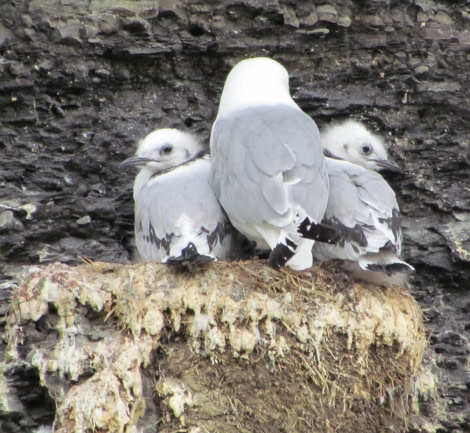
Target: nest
{"x":232,"y":347}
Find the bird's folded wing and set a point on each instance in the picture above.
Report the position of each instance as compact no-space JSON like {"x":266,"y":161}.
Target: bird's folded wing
{"x":275,"y":163}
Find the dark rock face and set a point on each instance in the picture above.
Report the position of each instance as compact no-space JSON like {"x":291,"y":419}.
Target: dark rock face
{"x":82,"y":81}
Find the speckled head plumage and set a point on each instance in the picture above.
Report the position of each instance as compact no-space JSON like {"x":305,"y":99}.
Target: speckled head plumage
{"x":353,"y":142}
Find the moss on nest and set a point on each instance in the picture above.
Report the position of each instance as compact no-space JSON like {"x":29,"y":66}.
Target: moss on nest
{"x":233,"y":347}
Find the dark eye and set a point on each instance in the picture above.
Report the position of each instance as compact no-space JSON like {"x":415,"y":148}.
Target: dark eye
{"x":166,"y":149}
{"x":366,"y":149}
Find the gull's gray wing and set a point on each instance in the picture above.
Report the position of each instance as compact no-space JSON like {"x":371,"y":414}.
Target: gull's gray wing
{"x":266,"y":161}
{"x":363,"y":208}
{"x":177,"y":208}
{"x":380,"y":198}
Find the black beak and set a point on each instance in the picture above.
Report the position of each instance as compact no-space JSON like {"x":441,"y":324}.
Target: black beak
{"x":134,"y":161}
{"x":387,"y":165}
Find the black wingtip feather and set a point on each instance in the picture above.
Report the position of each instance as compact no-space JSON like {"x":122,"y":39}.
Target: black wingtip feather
{"x":281,"y":254}
{"x":391,"y":268}
{"x":189,"y":256}
{"x":319,"y":232}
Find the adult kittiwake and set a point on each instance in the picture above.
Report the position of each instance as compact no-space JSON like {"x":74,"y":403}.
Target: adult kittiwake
{"x":353,"y":142}
{"x":177,"y":216}
{"x":268,"y":168}
{"x":364,"y":210}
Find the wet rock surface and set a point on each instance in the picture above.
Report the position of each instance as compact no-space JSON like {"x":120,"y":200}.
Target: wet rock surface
{"x":82,"y":81}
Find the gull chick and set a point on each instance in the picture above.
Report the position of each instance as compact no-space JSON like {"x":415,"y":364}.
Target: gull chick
{"x":177,"y":217}
{"x":268,"y":168}
{"x":353,"y":142}
{"x":364,"y":210}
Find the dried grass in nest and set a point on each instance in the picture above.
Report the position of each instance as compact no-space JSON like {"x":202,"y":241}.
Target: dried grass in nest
{"x":232,"y":347}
